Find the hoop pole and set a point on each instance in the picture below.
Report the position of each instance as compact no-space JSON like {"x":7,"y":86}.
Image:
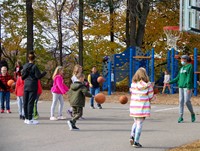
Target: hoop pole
{"x":152,"y":65}
{"x":109,"y":76}
{"x":130,"y":65}
{"x":168,"y":61}
{"x":147,"y":63}
{"x":173,"y":68}
{"x":195,"y":70}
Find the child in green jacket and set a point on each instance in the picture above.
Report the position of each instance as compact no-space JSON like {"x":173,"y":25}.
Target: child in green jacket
{"x":185,"y":79}
{"x":77,"y":94}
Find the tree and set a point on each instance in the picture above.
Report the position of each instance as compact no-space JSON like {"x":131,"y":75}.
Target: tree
{"x":80,"y":32}
{"x":138,"y":16}
{"x":127,"y":26}
{"x":29,"y":15}
{"x":165,"y":13}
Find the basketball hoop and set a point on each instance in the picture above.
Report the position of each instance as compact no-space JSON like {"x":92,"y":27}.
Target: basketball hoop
{"x":173,"y":34}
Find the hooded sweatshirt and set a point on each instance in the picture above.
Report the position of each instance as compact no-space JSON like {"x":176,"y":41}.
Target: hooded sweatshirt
{"x":185,"y":77}
{"x":77,"y":94}
{"x":141,"y":95}
{"x":58,"y":85}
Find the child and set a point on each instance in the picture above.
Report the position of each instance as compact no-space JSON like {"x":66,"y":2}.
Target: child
{"x":19,"y":91}
{"x":30,"y":74}
{"x":35,"y":111}
{"x":141,"y":95}
{"x":17,"y":70}
{"x":185,"y":80}
{"x":5,"y":94}
{"x":94,"y":86}
{"x":77,"y":69}
{"x":77,"y":94}
{"x":166,"y":82}
{"x":58,"y":89}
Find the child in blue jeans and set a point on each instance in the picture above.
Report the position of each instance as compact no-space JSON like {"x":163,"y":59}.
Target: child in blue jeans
{"x":94,"y":86}
{"x":5,"y":94}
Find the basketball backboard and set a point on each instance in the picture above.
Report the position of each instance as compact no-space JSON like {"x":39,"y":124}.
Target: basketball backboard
{"x":190,"y":15}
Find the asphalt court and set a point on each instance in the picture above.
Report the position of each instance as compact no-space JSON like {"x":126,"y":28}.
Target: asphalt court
{"x":100,"y":130}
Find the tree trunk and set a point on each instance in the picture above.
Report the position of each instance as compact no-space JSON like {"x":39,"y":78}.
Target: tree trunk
{"x":127,"y":26}
{"x":59,"y":10}
{"x":111,"y":20}
{"x":142,"y":23}
{"x":60,"y":42}
{"x":29,"y":15}
{"x":80,"y":34}
{"x":132,"y":7}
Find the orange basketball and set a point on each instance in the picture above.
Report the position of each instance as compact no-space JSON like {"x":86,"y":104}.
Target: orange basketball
{"x":100,"y":98}
{"x":156,"y":90}
{"x":10,"y":82}
{"x":100,"y":79}
{"x":123,"y":99}
{"x":13,"y":85}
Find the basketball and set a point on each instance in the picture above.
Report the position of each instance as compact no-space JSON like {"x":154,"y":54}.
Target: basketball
{"x":13,"y":85}
{"x":100,"y":79}
{"x":156,"y":91}
{"x":123,"y":99}
{"x":10,"y":82}
{"x":100,"y":98}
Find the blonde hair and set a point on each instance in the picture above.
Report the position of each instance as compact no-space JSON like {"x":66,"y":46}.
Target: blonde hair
{"x":80,"y":75}
{"x":140,"y":74}
{"x":76,"y":69}
{"x":57,"y":71}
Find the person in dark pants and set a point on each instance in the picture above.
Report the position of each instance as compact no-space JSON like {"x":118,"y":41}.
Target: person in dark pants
{"x":30,"y":75}
{"x":77,"y":93}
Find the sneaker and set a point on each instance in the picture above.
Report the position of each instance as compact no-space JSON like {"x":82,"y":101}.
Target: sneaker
{"x":35,"y":117}
{"x":180,"y":120}
{"x":137,"y":145}
{"x":99,"y":107}
{"x":32,"y":122}
{"x":69,"y":112}
{"x":131,"y":140}
{"x":23,"y":117}
{"x":70,"y":125}
{"x":25,"y":121}
{"x":61,"y":118}
{"x":92,"y":107}
{"x":8,"y":111}
{"x":53,"y":118}
{"x":193,"y":118}
{"x":2,"y":111}
{"x":82,"y":118}
{"x":75,"y":128}
{"x":20,"y":117}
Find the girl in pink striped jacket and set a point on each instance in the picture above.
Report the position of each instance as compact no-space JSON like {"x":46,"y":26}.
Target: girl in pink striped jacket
{"x":141,"y":95}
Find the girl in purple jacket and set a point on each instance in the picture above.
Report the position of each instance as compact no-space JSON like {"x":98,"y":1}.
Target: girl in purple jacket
{"x":58,"y":89}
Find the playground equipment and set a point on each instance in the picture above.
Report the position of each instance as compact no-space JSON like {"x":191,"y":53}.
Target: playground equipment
{"x":124,"y":65}
{"x":122,"y":68}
